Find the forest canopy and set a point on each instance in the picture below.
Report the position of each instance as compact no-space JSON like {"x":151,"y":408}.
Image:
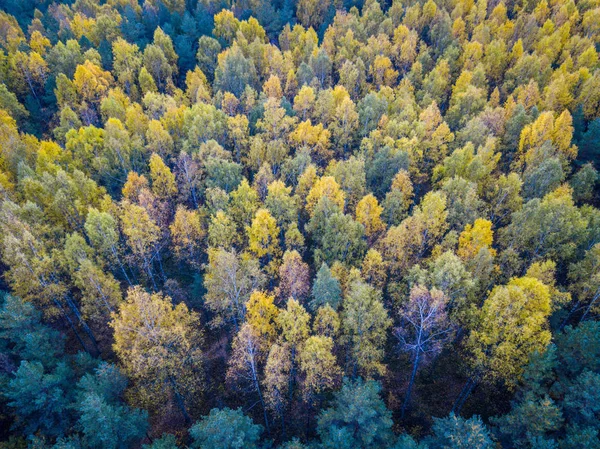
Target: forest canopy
{"x":299,"y":224}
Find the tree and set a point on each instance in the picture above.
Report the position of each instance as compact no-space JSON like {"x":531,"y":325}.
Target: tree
{"x":24,"y":336}
{"x":263,"y":238}
{"x":318,"y":366}
{"x":163,"y":181}
{"x":585,"y":281}
{"x":225,"y":429}
{"x":235,"y":72}
{"x":326,"y":322}
{"x":294,"y":326}
{"x":261,"y":314}
{"x":91,"y":83}
{"x":510,"y":327}
{"x":277,"y":380}
{"x":101,"y":293}
{"x":208,"y":49}
{"x":243,"y":205}
{"x":454,"y":432}
{"x":424,"y":330}
{"x":474,"y":238}
{"x":40,"y":398}
{"x":339,"y":237}
{"x":365,"y":323}
{"x":358,"y":418}
{"x":126,"y":64}
{"x":294,"y":279}
{"x":536,"y":413}
{"x":325,"y":187}
{"x":159,"y":346}
{"x":30,"y":72}
{"x":157,"y":65}
{"x":188,"y":235}
{"x":221,"y":229}
{"x":142,"y":235}
{"x":229,"y":281}
{"x":374,"y":269}
{"x":350,"y":175}
{"x":546,"y":228}
{"x":345,"y":124}
{"x":584,"y":182}
{"x":311,"y":13}
{"x":281,"y":204}
{"x":167,"y":441}
{"x":406,"y":243}
{"x":368,"y":213}
{"x":462,"y":202}
{"x":104,"y":421}
{"x":326,"y":289}
{"x":243,"y":367}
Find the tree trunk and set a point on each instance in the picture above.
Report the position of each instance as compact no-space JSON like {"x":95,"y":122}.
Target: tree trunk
{"x":179,"y":399}
{"x":410,"y":384}
{"x":464,"y":394}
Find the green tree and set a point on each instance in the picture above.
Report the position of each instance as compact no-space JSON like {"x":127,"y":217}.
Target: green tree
{"x":546,"y":228}
{"x":225,"y":429}
{"x":104,"y":421}
{"x":326,"y":289}
{"x":365,"y":323}
{"x":358,"y":418}
{"x":455,"y":432}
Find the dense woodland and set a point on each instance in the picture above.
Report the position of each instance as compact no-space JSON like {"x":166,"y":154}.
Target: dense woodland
{"x":319,"y":224}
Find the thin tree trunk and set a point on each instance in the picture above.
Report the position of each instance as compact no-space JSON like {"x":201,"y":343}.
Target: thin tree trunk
{"x":464,"y":394}
{"x":179,"y":399}
{"x":116,"y":256}
{"x":262,"y":402}
{"x":85,"y":326}
{"x":410,"y":384}
{"x":71,"y":324}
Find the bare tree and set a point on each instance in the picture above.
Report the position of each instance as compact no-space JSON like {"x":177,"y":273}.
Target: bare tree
{"x":243,"y":368}
{"x":424,"y":329}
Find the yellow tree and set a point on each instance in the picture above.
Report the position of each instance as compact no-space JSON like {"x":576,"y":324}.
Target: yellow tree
{"x":261,"y":314}
{"x":293,"y":322}
{"x":304,"y":102}
{"x":263,"y":238}
{"x":277,"y":380}
{"x":475,"y":237}
{"x":187,"y":235}
{"x":383,"y":72}
{"x":406,"y":243}
{"x":142,"y":236}
{"x":163,"y":181}
{"x":318,"y":366}
{"x":327,"y":322}
{"x":325,"y":187}
{"x":511,"y":326}
{"x":91,"y":83}
{"x":315,"y":138}
{"x":222,"y":231}
{"x":368,"y":213}
{"x":374,"y":269}
{"x":158,"y":344}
